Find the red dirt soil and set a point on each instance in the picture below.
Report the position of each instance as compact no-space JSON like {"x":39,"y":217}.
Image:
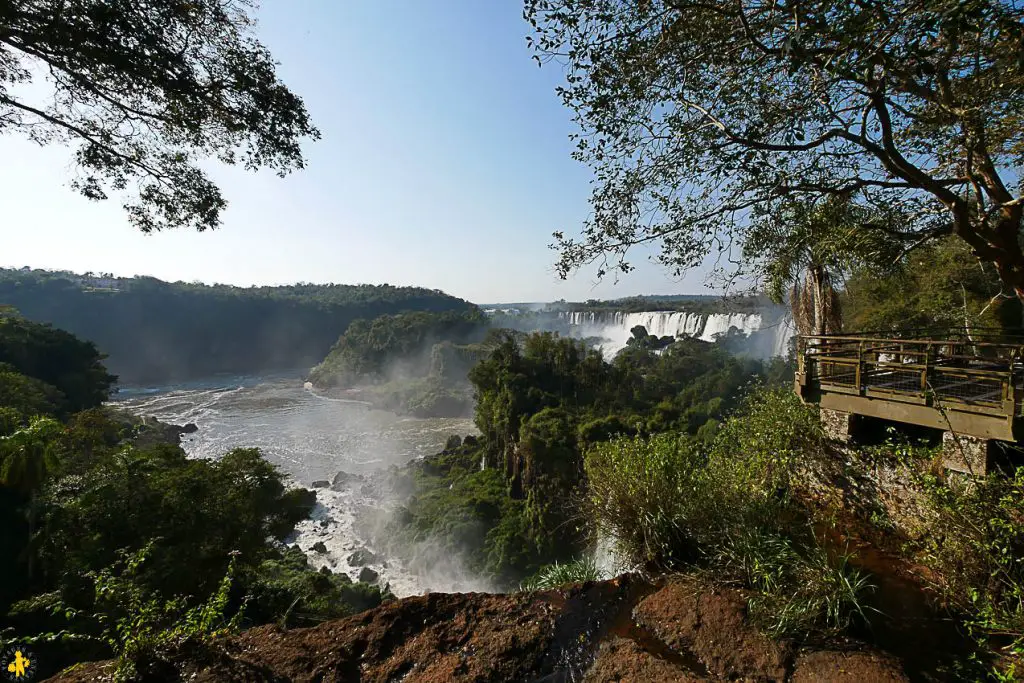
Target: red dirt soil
{"x":619,"y":630}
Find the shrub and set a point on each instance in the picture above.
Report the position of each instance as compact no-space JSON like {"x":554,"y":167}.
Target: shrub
{"x":144,"y":629}
{"x":671,"y":501}
{"x":975,"y":543}
{"x":287,"y":591}
{"x":645,"y":493}
{"x":556,"y":575}
{"x":800,"y":588}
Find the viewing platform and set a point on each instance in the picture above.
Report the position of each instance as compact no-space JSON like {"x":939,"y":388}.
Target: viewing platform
{"x":969,"y":387}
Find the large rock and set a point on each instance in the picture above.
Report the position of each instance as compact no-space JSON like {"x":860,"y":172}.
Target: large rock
{"x":321,"y":484}
{"x":361,"y":557}
{"x":847,"y":667}
{"x":367,"y":575}
{"x":319,"y":547}
{"x":712,"y":624}
{"x":343,"y":480}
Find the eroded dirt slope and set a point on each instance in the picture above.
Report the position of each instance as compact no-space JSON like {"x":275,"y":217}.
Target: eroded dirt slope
{"x":619,"y":630}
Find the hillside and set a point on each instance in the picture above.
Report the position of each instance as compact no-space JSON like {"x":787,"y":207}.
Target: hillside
{"x":156,"y":332}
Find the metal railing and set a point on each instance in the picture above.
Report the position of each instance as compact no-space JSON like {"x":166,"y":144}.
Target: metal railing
{"x":957,"y":372}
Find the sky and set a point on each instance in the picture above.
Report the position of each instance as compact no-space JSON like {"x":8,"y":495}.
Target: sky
{"x":444,"y":163}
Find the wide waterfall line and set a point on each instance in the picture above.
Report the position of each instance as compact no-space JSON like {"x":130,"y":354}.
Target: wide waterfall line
{"x":613,"y":327}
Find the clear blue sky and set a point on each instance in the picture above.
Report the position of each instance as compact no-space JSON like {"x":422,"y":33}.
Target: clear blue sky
{"x":445,"y":163}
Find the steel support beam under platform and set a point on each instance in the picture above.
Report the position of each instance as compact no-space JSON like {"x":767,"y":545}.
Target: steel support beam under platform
{"x":1001,"y":427}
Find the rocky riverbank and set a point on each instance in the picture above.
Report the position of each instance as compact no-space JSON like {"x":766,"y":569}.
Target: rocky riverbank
{"x":625,"y":629}
{"x":148,"y":430}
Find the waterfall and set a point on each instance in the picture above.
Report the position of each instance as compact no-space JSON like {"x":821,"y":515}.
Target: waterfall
{"x":614,"y":328}
{"x":606,"y":559}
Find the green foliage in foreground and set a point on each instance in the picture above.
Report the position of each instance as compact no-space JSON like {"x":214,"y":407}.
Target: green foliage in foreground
{"x":510,"y":503}
{"x":670,"y":501}
{"x":283,"y":589}
{"x":143,"y":630}
{"x":974,"y":541}
{"x":557,"y":575}
{"x":117,"y":543}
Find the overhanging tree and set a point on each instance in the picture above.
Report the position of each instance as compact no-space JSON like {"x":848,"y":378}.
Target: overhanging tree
{"x":145,"y":91}
{"x":698,"y":116}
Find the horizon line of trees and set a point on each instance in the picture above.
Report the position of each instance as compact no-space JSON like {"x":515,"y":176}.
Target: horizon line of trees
{"x":155,"y":331}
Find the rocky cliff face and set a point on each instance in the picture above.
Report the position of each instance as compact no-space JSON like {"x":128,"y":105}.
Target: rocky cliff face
{"x":619,"y":630}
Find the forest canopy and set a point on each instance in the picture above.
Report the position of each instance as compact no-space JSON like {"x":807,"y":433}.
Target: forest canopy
{"x":146,"y":92}
{"x":698,"y":118}
{"x":155,"y":331}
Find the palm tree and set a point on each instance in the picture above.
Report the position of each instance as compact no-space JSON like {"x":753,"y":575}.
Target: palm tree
{"x":801,"y":249}
{"x":27,"y":457}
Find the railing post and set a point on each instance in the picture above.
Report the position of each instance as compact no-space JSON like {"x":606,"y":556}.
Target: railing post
{"x":924,"y":372}
{"x":859,"y":373}
{"x":1010,"y":395}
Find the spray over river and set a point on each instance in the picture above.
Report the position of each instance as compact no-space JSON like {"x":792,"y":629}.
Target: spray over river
{"x":311,"y":437}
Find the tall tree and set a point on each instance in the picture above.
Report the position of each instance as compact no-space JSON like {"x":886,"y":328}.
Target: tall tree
{"x":147,"y":91}
{"x":803,"y":247}
{"x":694,"y":115}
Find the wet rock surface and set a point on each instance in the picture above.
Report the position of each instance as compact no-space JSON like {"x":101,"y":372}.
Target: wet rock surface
{"x":361,"y":557}
{"x":343,"y":480}
{"x":619,"y":630}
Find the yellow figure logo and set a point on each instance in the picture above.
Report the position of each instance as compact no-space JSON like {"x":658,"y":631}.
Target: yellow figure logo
{"x":19,"y":666}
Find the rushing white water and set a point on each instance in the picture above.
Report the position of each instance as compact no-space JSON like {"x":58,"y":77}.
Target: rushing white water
{"x":771,"y":339}
{"x":312,"y":437}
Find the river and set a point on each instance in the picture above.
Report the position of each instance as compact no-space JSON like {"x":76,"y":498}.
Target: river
{"x":310,"y":437}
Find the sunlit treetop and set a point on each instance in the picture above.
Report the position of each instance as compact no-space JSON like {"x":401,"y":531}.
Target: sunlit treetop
{"x":698,"y":117}
{"x":145,"y":90}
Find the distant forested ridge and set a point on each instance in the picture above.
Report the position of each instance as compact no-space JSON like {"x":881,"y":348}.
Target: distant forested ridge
{"x":155,"y":331}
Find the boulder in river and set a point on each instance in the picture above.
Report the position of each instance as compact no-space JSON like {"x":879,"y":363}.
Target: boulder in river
{"x":344,"y":479}
{"x":321,"y":484}
{"x":367,"y":575}
{"x":361,"y":557}
{"x":319,"y":547}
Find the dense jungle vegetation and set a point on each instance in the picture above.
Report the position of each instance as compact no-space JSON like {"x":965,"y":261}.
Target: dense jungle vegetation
{"x":154,"y":331}
{"x":542,"y":402}
{"x":114,"y":539}
{"x":863,"y":158}
{"x":688,"y":458}
{"x":411,"y":363}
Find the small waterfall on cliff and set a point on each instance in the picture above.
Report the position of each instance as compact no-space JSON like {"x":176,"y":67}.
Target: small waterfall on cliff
{"x":606,"y":559}
{"x":614,"y":327}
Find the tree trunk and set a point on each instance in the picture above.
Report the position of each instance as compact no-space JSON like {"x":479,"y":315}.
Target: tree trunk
{"x":816,"y":278}
{"x":999,"y":245}
{"x":827,"y":318}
